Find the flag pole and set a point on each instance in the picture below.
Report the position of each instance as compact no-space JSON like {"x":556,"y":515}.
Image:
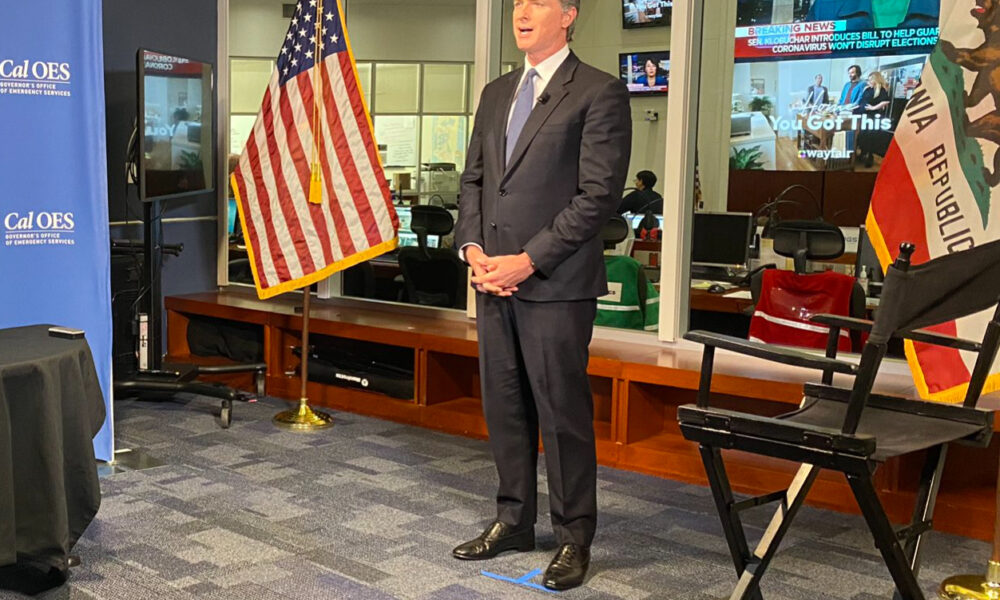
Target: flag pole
{"x":304,"y":418}
{"x":978,"y":587}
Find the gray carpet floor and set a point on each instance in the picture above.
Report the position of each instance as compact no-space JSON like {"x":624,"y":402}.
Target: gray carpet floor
{"x":370,"y":509}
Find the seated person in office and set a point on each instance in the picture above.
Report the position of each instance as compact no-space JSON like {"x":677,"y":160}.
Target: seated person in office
{"x":643,"y":198}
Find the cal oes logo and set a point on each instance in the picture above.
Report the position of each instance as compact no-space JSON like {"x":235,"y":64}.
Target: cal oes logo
{"x":41,"y":221}
{"x":38,"y":228}
{"x":37,"y":70}
{"x":24,"y":77}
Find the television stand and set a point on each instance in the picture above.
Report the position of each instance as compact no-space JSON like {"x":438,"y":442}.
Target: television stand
{"x":159,"y":380}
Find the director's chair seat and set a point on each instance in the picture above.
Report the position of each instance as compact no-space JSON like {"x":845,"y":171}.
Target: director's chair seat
{"x":853,"y":430}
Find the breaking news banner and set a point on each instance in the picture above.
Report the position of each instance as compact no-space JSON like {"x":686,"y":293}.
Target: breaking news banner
{"x":54,"y":246}
{"x":821,"y":84}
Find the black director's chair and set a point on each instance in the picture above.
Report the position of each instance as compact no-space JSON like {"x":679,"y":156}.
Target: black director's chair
{"x":851,"y":429}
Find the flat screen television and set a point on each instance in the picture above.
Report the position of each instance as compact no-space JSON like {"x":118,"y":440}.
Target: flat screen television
{"x":175,"y":125}
{"x":645,"y":73}
{"x":646,"y":13}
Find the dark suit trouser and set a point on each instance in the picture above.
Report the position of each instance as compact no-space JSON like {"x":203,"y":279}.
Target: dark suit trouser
{"x":533,"y":366}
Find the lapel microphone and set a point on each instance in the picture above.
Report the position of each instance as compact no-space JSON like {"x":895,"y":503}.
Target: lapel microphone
{"x":543,"y":98}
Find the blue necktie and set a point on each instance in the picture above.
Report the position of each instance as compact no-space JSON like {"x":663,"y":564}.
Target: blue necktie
{"x":523,"y":104}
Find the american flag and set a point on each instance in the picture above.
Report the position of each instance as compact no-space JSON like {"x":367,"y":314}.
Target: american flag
{"x":294,"y":240}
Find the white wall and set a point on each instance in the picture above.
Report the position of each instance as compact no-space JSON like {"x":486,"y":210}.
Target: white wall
{"x":427,"y":30}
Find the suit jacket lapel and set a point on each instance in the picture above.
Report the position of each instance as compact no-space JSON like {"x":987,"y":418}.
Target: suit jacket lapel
{"x":500,"y":123}
{"x":556,"y":91}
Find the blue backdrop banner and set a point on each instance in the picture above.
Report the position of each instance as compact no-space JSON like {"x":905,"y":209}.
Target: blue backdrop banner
{"x":54,"y":247}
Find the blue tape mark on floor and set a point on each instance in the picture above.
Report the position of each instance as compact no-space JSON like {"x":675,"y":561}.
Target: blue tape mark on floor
{"x":524,"y":581}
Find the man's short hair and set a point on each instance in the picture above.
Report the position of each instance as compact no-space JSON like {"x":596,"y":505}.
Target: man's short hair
{"x":566,"y":5}
{"x":856,"y":68}
{"x":648,"y":178}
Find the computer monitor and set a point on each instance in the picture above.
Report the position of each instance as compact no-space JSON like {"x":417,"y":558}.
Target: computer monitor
{"x":721,"y":239}
{"x":408,"y":238}
{"x":636,"y":218}
{"x":405,"y":216}
{"x":233,"y":217}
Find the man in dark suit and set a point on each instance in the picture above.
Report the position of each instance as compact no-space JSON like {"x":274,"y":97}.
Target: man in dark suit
{"x":546,"y":165}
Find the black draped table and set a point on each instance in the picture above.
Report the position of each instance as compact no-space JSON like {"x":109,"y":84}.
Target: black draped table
{"x":51,"y":407}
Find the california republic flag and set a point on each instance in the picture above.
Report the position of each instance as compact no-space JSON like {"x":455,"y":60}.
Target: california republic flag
{"x":938,"y":184}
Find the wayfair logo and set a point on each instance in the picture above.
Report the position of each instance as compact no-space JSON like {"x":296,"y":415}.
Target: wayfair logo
{"x":824,"y":154}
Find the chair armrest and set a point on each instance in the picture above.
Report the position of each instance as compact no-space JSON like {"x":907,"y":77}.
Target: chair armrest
{"x":779,"y":354}
{"x":843,"y":322}
{"x":917,"y":335}
{"x":939,"y":339}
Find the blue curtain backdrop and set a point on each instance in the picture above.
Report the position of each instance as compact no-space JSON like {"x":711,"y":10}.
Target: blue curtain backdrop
{"x":54,"y":248}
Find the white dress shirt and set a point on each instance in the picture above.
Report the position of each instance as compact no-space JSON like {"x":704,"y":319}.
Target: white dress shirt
{"x":545,"y":70}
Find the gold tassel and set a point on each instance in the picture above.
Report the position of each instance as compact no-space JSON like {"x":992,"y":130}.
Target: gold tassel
{"x":316,"y":185}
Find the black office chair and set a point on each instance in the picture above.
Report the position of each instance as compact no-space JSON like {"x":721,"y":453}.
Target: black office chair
{"x":629,"y":274}
{"x":239,"y":271}
{"x":809,"y":240}
{"x":850,"y":429}
{"x":359,"y":281}
{"x":432,"y":276}
{"x":614,"y":232}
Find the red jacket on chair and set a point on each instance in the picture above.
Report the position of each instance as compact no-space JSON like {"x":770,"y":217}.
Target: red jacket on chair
{"x":788,"y":301}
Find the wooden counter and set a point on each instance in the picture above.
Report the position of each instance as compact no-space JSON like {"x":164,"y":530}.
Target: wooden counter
{"x":637,"y":389}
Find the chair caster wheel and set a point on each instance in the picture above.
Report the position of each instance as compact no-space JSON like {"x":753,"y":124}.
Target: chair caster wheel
{"x":226,"y":414}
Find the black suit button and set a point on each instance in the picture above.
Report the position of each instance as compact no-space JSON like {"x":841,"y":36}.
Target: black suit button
{"x":493,"y":225}
{"x":503,"y":193}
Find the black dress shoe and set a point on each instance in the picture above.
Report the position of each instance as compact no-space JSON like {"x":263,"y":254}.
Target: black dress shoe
{"x":568,"y":568}
{"x":498,"y":537}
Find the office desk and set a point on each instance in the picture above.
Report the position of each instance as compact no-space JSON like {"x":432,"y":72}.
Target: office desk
{"x":51,"y":407}
{"x":703,"y":300}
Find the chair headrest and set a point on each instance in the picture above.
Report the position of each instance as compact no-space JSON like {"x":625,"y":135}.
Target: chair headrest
{"x":431,"y":220}
{"x":821,"y":240}
{"x":614,"y":231}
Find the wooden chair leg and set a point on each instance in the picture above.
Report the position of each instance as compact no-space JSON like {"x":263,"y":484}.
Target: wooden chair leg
{"x":732,"y":526}
{"x":923,"y":509}
{"x":885,"y":538}
{"x":749,"y":584}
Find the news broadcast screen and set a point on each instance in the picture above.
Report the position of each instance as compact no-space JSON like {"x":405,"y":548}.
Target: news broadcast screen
{"x":821,"y":84}
{"x":646,"y":13}
{"x":646,"y":73}
{"x":769,"y":29}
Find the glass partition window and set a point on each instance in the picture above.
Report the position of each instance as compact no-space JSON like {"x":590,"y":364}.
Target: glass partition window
{"x":248,"y":79}
{"x":365,"y":76}
{"x":444,"y":88}
{"x":790,"y":167}
{"x":397,"y":89}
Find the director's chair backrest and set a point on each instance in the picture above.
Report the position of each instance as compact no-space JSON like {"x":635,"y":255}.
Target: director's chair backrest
{"x":932,"y":293}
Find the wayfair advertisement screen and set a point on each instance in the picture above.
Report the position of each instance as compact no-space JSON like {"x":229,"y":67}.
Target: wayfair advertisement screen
{"x":821,"y":84}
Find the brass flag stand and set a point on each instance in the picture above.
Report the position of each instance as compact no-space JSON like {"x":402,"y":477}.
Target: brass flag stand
{"x":978,"y":587}
{"x":304,"y":418}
